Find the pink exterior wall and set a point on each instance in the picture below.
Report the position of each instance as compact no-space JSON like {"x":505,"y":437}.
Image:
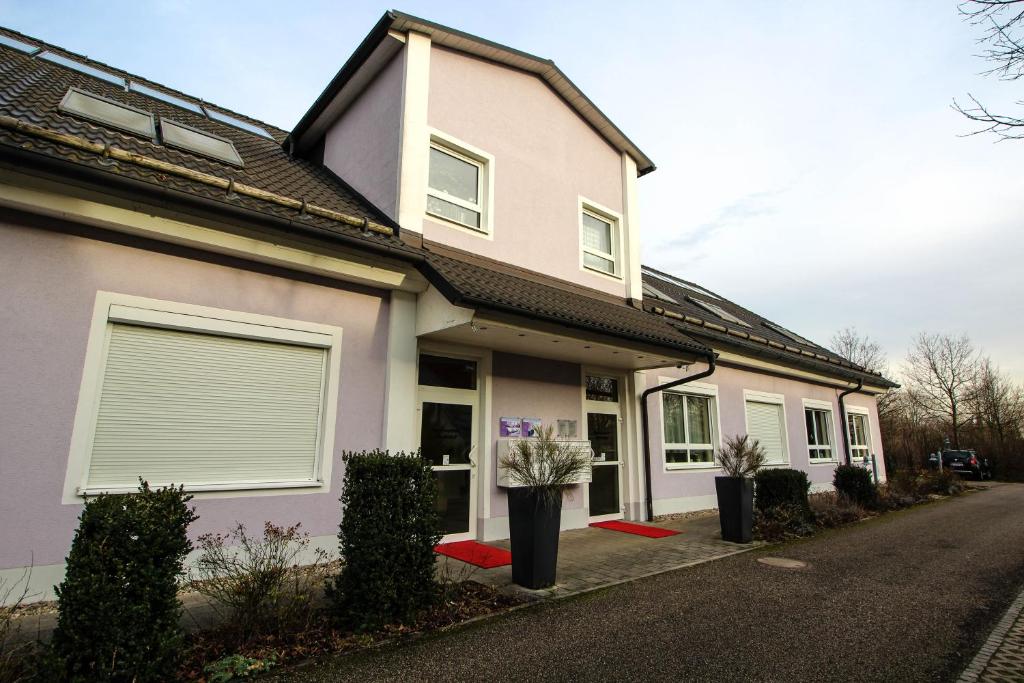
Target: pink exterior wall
{"x":672,"y":484}
{"x":545,"y":157}
{"x":362,"y":146}
{"x":49,"y":281}
{"x":524,"y":386}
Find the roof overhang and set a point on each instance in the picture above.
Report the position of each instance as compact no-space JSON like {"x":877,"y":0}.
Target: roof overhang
{"x":382,"y":43}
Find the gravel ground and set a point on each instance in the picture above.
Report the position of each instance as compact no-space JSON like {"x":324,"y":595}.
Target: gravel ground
{"x":908,"y":596}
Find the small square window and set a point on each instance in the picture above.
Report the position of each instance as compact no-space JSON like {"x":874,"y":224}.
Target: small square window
{"x":599,"y":241}
{"x":456,"y":187}
{"x":819,"y":433}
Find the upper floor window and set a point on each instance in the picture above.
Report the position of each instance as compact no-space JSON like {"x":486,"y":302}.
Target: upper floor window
{"x":458,"y":184}
{"x":599,"y":240}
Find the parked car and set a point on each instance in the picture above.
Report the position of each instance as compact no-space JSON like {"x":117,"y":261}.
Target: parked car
{"x":963,"y":462}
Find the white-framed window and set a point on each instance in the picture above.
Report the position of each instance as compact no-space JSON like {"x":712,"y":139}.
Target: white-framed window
{"x":689,"y":418}
{"x":212,"y":399}
{"x":766,"y":423}
{"x":859,"y":432}
{"x":600,"y":239}
{"x":820,"y":431}
{"x":459,"y":183}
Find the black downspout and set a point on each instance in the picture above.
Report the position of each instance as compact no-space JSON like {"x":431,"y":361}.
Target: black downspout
{"x":842,"y":416}
{"x":645,"y":422}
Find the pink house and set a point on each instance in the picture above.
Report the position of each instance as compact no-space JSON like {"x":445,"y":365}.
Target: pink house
{"x":445,"y":247}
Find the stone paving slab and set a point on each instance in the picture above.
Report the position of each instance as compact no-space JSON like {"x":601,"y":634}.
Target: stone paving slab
{"x":594,"y":558}
{"x":1001,"y":658}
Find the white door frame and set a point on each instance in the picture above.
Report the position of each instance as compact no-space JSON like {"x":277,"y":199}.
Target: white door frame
{"x":607,"y":408}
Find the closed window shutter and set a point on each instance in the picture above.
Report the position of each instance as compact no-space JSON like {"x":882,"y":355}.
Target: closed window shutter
{"x":764,"y":423}
{"x":192,"y":408}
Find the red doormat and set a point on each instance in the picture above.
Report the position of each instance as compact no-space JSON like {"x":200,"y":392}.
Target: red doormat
{"x":484,"y":556}
{"x":638,"y":529}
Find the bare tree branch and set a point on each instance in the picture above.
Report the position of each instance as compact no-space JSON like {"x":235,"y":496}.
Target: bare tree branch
{"x":1002,"y":24}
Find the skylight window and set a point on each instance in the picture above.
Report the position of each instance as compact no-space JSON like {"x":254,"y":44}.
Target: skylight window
{"x":199,"y":142}
{"x":719,"y":311}
{"x":679,"y":283}
{"x":786,"y":333}
{"x":237,"y":123}
{"x":165,"y":97}
{"x":17,"y":44}
{"x":108,"y":112}
{"x":82,"y":68}
{"x":657,"y":294}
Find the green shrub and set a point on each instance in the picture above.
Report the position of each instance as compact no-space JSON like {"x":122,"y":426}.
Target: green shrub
{"x":781,"y":522}
{"x":118,"y":605}
{"x":389,"y":527}
{"x":775,"y":487}
{"x":855,"y":483}
{"x":237,"y":666}
{"x":255,"y":584}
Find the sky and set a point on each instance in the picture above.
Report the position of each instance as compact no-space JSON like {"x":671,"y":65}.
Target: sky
{"x":810,"y":166}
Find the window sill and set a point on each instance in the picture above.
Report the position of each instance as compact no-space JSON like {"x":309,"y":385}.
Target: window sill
{"x":822,"y":461}
{"x":239,"y":487}
{"x":684,"y":467}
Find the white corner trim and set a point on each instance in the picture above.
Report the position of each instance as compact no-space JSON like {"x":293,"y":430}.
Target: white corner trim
{"x":400,"y":389}
{"x":487,"y":164}
{"x":616,"y":220}
{"x":414,"y":154}
{"x":113,"y":307}
{"x":631,"y":229}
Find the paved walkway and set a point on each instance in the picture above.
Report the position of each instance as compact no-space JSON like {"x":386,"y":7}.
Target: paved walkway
{"x":906,"y":597}
{"x":595,"y":558}
{"x":1001,"y":659}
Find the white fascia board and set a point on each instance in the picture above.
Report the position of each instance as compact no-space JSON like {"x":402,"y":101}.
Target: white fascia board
{"x":755,"y":364}
{"x":368,"y":271}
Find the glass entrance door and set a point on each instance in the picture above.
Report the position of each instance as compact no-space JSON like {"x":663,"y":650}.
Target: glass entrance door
{"x":602,"y":407}
{"x":447,"y":408}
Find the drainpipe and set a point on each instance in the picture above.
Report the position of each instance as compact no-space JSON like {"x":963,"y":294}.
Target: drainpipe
{"x":645,"y":425}
{"x":842,"y":416}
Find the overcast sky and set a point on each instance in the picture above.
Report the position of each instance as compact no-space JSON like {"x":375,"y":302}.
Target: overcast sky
{"x":809,"y":164}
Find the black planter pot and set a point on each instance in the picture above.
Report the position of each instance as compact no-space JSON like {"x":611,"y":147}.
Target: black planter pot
{"x":735,"y":508}
{"x":533,"y":521}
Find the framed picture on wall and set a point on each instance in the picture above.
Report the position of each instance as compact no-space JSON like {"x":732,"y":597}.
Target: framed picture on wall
{"x":511,"y":426}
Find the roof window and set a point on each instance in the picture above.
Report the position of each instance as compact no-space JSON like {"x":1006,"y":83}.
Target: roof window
{"x":17,"y":44}
{"x":237,"y":123}
{"x":719,"y":311}
{"x":108,"y":112}
{"x":199,"y":142}
{"x":166,"y":97}
{"x":678,"y":283}
{"x":657,"y":294}
{"x":793,"y":336}
{"x":82,"y":68}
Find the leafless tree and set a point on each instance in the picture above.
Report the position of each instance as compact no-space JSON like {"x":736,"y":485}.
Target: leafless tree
{"x":998,"y":403}
{"x":1002,"y":23}
{"x":866,"y":352}
{"x":940,"y":373}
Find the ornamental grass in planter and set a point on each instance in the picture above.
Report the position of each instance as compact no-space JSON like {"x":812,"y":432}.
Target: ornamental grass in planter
{"x":740,"y":458}
{"x":544,"y":467}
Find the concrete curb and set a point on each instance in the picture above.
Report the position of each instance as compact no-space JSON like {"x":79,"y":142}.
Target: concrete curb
{"x":981,"y":660}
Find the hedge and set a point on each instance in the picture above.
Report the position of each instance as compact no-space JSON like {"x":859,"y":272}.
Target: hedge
{"x":775,"y":487}
{"x":855,"y":483}
{"x":389,"y":527}
{"x":118,"y":607}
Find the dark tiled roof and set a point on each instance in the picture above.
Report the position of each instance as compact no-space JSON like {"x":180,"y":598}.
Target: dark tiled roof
{"x":31,"y":89}
{"x":477,"y":282}
{"x":755,"y":337}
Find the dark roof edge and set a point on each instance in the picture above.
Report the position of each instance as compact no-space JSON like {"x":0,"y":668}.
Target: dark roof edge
{"x":456,"y":297}
{"x":348,"y":69}
{"x":105,"y":182}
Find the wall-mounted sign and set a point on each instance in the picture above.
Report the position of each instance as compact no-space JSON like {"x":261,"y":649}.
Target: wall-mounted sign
{"x":567,"y":429}
{"x":531,"y":426}
{"x":511,"y":426}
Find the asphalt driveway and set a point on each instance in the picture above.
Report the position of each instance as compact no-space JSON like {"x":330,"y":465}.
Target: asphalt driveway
{"x":906,"y":597}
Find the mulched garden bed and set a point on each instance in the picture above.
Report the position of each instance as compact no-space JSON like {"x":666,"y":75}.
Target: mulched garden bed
{"x":461,"y":602}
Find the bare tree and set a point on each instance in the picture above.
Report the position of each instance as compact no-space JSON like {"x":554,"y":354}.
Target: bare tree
{"x":940,"y":373}
{"x":997,"y":403}
{"x":1002,"y":23}
{"x":866,"y":352}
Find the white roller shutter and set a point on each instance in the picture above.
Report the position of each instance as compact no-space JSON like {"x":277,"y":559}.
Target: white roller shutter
{"x":194,"y":408}
{"x":764,"y":423}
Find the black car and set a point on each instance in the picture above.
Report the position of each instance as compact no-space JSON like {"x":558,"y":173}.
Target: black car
{"x":964,"y":463}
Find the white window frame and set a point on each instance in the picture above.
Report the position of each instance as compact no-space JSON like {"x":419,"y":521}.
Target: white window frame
{"x":702,"y":390}
{"x":111,"y":307}
{"x":485,"y":184}
{"x":603,"y":213}
{"x":814,"y":404}
{"x":779,"y":399}
{"x":866,"y":449}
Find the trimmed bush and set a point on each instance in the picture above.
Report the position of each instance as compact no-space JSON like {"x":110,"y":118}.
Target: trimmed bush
{"x":855,"y":483}
{"x":118,"y":611}
{"x":782,"y":522}
{"x":389,"y":527}
{"x":775,"y":487}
